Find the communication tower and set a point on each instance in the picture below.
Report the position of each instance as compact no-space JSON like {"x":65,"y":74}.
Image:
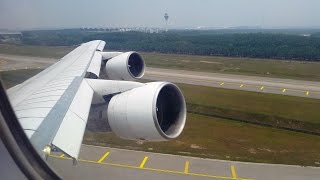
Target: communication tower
{"x":166,"y":17}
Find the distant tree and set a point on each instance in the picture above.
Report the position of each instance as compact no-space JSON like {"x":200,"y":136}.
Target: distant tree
{"x":257,"y":45}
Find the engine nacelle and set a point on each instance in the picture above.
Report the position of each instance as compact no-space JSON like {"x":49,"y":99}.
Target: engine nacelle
{"x":126,"y":66}
{"x":154,"y":112}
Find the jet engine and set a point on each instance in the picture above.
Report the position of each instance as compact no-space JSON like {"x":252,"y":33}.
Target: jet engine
{"x":126,"y":66}
{"x":155,"y":112}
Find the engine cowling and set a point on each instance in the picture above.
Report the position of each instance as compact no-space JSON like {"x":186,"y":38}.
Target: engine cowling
{"x":126,"y":66}
{"x":154,"y":112}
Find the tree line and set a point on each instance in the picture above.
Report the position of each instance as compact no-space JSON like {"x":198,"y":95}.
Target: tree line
{"x":255,"y":45}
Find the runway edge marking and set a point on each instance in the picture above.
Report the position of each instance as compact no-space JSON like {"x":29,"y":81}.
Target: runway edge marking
{"x":186,"y":167}
{"x":153,"y":169}
{"x":144,"y":161}
{"x":103,"y":157}
{"x":233,"y":172}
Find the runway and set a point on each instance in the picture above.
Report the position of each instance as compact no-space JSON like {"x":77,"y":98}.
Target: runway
{"x":309,"y":89}
{"x":12,"y":62}
{"x":110,"y":163}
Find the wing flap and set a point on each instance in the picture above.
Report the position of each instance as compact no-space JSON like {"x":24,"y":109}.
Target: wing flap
{"x":95,"y":65}
{"x":101,"y":46}
{"x":70,"y":133}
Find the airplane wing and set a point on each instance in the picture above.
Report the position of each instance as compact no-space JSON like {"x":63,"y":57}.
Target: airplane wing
{"x":48,"y":101}
{"x":53,"y":106}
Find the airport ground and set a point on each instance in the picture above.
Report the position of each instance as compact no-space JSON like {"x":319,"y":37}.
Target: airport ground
{"x":111,"y":163}
{"x":300,"y":70}
{"x":226,"y":138}
{"x":231,"y":139}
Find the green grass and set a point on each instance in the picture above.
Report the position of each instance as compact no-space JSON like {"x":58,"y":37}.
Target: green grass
{"x":290,"y":107}
{"x":39,"y":51}
{"x":222,"y":139}
{"x":242,"y":66}
{"x":12,"y":78}
{"x":286,"y":112}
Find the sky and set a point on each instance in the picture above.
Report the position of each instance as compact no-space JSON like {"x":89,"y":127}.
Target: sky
{"x":33,"y":14}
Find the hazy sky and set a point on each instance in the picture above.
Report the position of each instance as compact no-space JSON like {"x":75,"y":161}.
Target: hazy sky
{"x":28,"y":14}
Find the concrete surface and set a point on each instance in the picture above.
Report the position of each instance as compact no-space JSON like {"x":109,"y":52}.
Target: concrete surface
{"x":111,"y":163}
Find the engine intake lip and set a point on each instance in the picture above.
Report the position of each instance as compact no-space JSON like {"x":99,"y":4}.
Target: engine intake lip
{"x":170,"y":95}
{"x":135,"y":65}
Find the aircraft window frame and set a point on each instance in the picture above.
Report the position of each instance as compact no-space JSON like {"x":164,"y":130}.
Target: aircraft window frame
{"x":18,"y":144}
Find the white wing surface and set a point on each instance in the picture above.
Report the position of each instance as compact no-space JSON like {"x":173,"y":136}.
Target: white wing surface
{"x":54,"y":105}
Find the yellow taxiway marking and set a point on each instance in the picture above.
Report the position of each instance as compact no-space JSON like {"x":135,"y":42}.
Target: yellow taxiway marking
{"x":186,"y":167}
{"x":221,"y":84}
{"x":62,"y":156}
{"x":233,"y":172}
{"x":307,"y":93}
{"x":284,"y":90}
{"x":103,"y":157}
{"x":241,"y":85}
{"x":261,"y":88}
{"x":143,"y":162}
{"x":153,"y":169}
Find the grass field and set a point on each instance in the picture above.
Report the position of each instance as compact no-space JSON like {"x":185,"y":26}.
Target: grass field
{"x":288,"y":112}
{"x":12,"y":78}
{"x":217,"y":138}
{"x":291,"y":107}
{"x":39,"y":51}
{"x":244,"y":66}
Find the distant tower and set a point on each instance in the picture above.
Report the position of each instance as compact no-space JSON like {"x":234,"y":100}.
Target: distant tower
{"x":166,"y":17}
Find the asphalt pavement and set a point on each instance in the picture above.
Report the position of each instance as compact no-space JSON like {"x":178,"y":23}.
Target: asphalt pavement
{"x":309,"y":89}
{"x":111,"y":163}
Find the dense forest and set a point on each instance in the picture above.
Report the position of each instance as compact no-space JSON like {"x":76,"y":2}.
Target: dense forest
{"x":257,"y":44}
